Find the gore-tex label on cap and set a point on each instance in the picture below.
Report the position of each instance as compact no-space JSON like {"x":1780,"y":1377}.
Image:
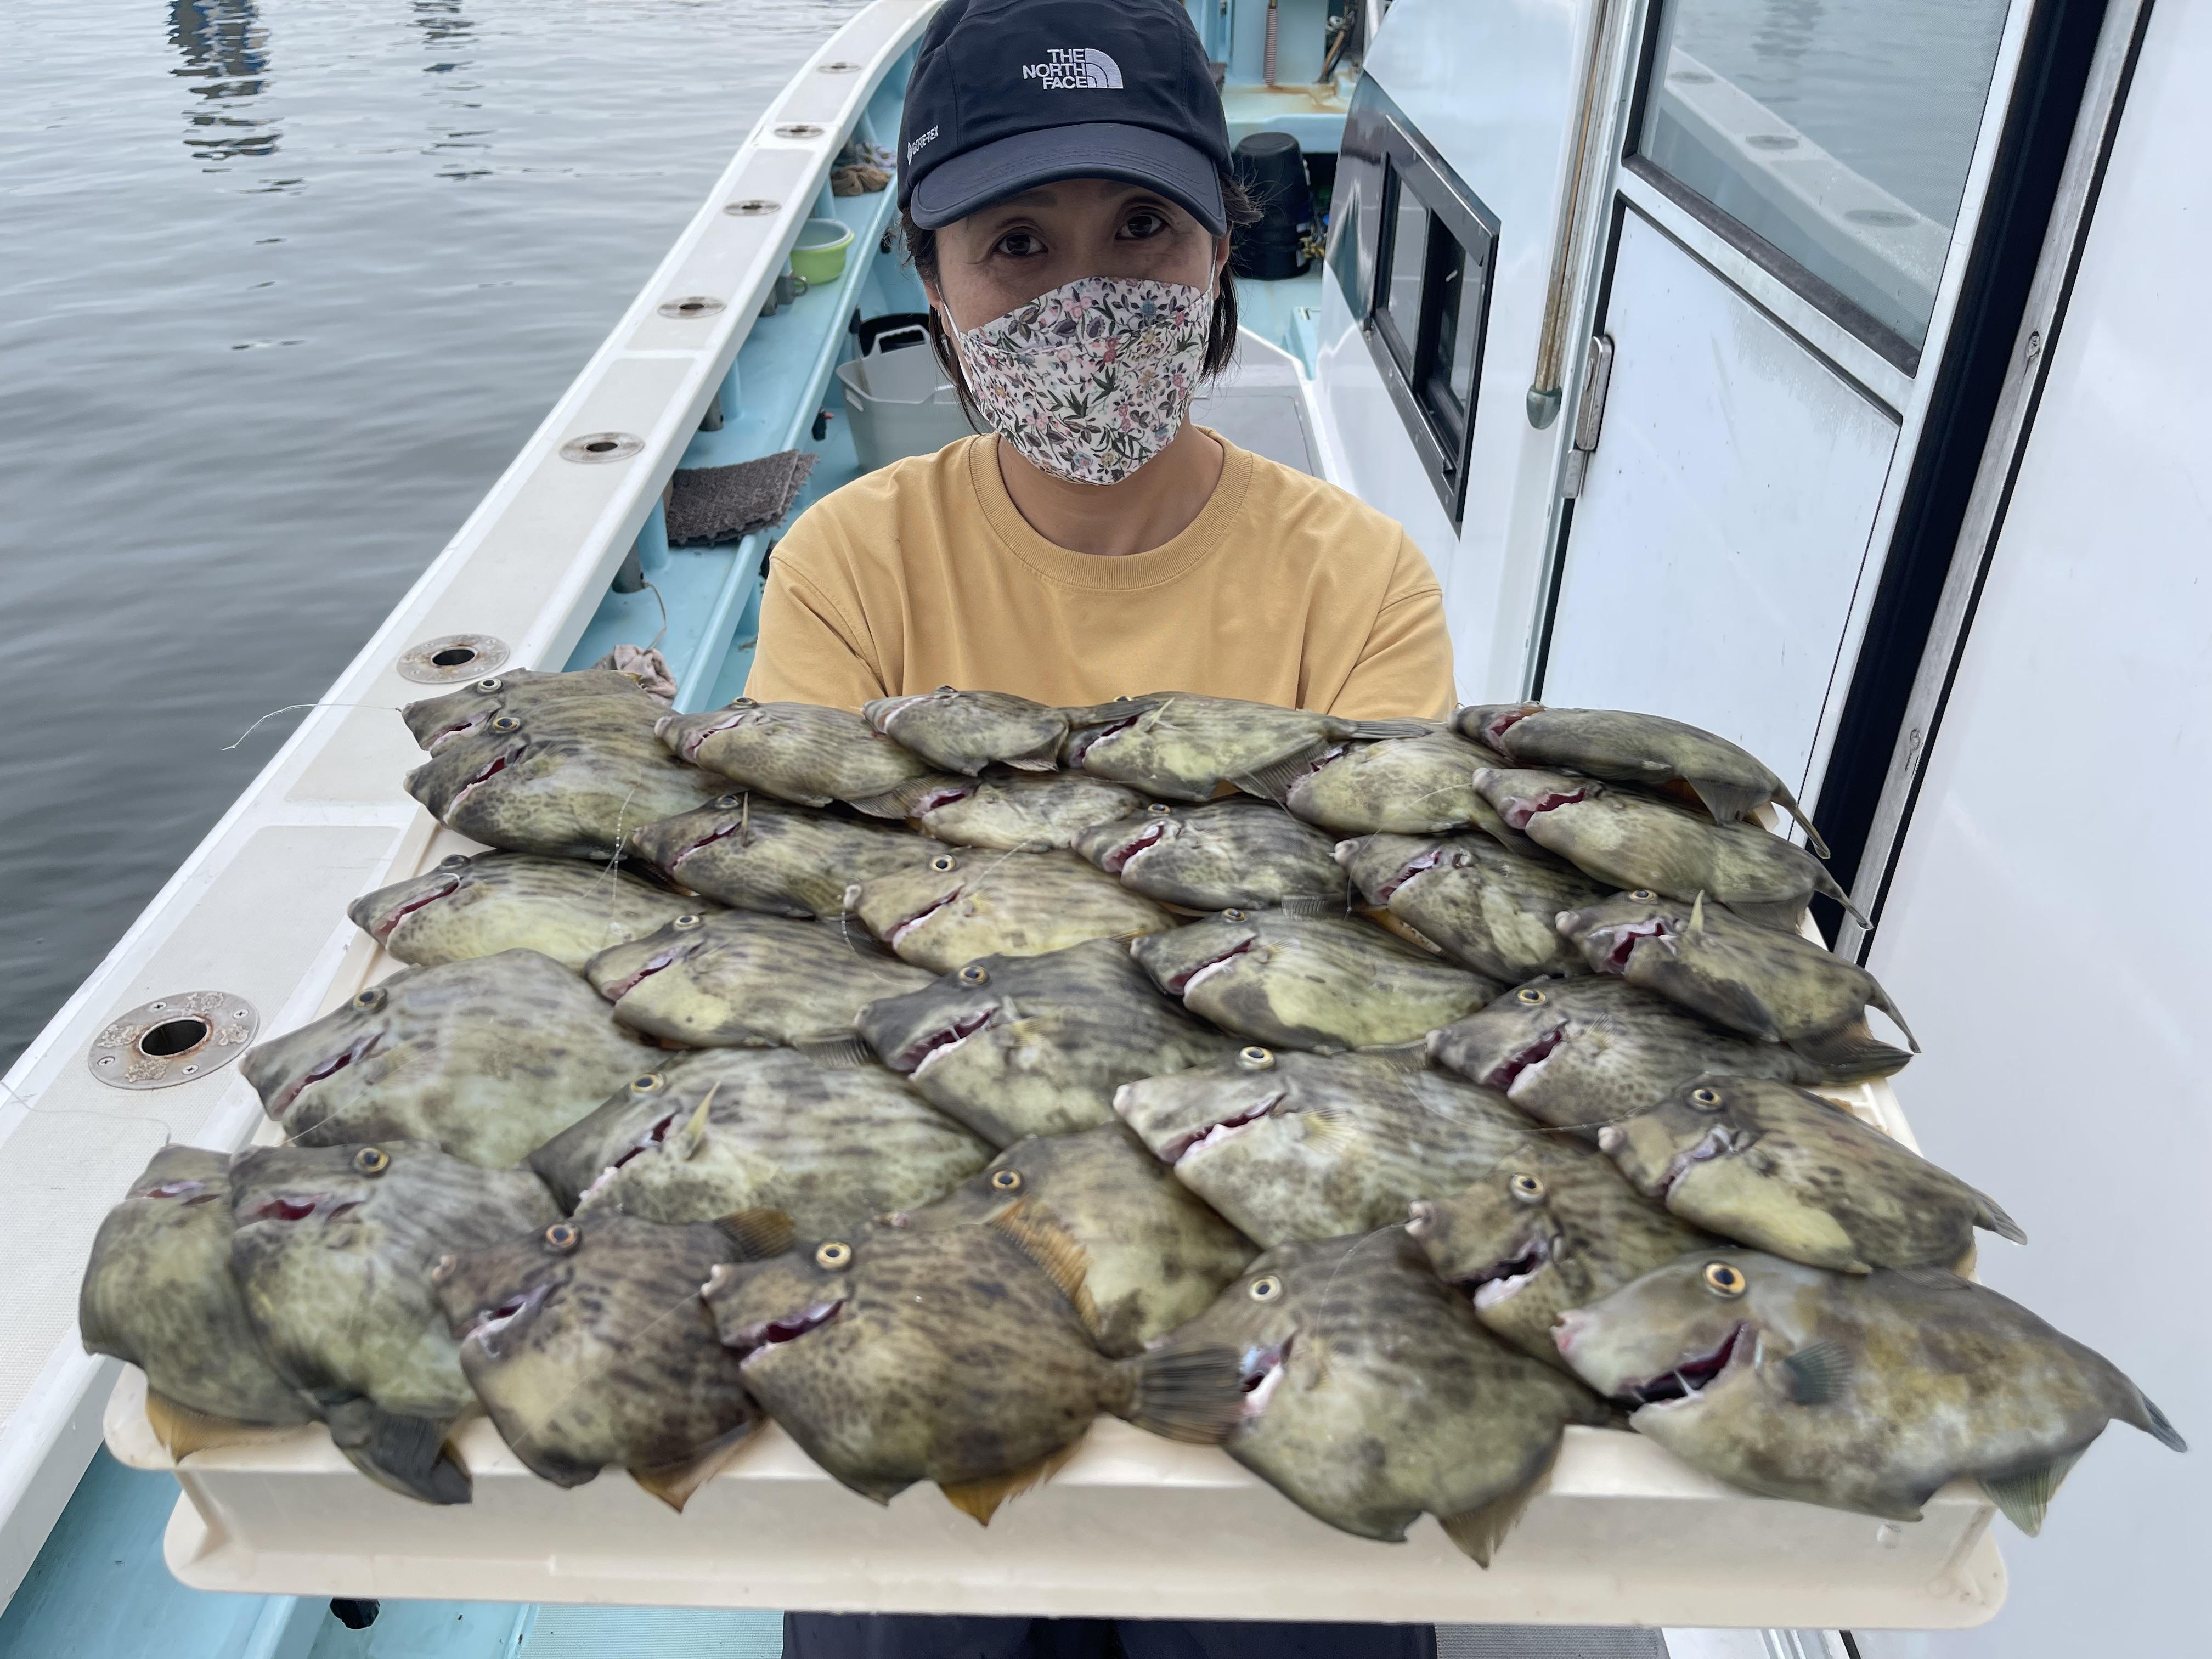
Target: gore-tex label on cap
{"x":1068,"y":68}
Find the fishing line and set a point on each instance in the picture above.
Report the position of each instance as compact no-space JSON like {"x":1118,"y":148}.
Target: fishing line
{"x":169,"y":1134}
{"x":608,"y":878}
{"x":289,"y":706}
{"x":663,"y":604}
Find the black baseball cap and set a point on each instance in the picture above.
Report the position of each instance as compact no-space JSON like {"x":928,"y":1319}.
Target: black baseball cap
{"x":1008,"y":94}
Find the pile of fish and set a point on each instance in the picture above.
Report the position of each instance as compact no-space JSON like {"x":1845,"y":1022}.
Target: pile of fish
{"x":1377,"y":1100}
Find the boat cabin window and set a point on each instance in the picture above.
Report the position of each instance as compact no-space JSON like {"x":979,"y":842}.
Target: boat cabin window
{"x":1412,"y":249}
{"x":1830,"y":143}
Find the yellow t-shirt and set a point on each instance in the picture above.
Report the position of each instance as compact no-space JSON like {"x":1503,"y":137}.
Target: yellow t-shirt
{"x":1285,"y":589}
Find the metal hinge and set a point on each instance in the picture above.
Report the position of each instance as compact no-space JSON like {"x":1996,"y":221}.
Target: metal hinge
{"x":1590,"y":415}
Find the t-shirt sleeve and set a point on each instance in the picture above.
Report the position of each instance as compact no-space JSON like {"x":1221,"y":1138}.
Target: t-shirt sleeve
{"x":1405,"y":671}
{"x":811,"y":650}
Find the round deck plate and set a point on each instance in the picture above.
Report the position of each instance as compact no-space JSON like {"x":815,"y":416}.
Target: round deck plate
{"x":173,"y":1039}
{"x":602,"y":447}
{"x":451,"y":658}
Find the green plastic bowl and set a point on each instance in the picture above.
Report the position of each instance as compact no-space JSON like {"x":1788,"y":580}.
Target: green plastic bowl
{"x":819,"y":256}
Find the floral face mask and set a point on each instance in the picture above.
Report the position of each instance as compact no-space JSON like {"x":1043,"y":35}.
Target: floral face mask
{"x":1093,"y":379}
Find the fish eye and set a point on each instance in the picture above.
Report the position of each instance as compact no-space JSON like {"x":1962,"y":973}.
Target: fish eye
{"x":648,"y":1082}
{"x":1159,"y":809}
{"x":1235,"y":915}
{"x":685,"y":922}
{"x":1644,"y":894}
{"x":507,"y":723}
{"x":488,"y":685}
{"x":1267,"y":1289}
{"x":729,"y":803}
{"x":443,"y":1269}
{"x":974,"y":974}
{"x":564,"y":1236}
{"x":741,"y":702}
{"x":941,"y":863}
{"x":836,"y":1256}
{"x":1255,"y":1059}
{"x":1527,"y":1188}
{"x":1530,"y":996}
{"x":371,"y":999}
{"x":1722,"y":1280}
{"x":1705,"y":1100}
{"x":1006,"y":1181}
{"x":371,"y":1160}
{"x":453,"y":861}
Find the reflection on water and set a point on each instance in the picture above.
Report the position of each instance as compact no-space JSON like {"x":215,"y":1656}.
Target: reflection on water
{"x":255,"y":379}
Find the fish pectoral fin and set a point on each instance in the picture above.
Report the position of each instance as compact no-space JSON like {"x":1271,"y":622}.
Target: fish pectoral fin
{"x":1728,"y":803}
{"x":1399,"y":1056}
{"x":1988,"y":1215}
{"x":1818,"y":1372}
{"x":844,"y":1052}
{"x":1193,"y":1395}
{"x":185,"y":1431}
{"x":1062,"y":1260}
{"x":406,"y":1453}
{"x":1850,"y":1053}
{"x":674,"y":1483}
{"x":980,"y":1498}
{"x":1275,"y":781}
{"x":757,"y":1234}
{"x":1478,"y":1532}
{"x":2026,"y":1497}
{"x":1376,"y":731}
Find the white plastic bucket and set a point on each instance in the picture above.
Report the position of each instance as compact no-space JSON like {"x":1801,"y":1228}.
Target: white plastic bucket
{"x":900,"y":403}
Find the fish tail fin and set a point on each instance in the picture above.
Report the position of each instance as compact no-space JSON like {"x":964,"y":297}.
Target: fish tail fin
{"x":1193,"y":1395}
{"x":1478,"y":1532}
{"x":406,"y":1453}
{"x":1313,"y":904}
{"x":1880,"y":998}
{"x":2156,"y":1425}
{"x":1850,"y":1053}
{"x":1061,"y":1259}
{"x":2026,"y":1497}
{"x":1988,"y":1215}
{"x":1045,"y":757}
{"x":185,"y":1431}
{"x":757,"y":1234}
{"x":1825,"y":884}
{"x":845,"y":1052}
{"x":1376,"y":731}
{"x":674,"y":1483}
{"x":1275,"y":781}
{"x":980,"y":1498}
{"x":900,"y":803}
{"x":1789,"y":803}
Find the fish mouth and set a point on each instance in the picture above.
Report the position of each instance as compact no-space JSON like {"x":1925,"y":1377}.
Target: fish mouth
{"x":360,"y":1048}
{"x":941,"y":795}
{"x":1621,"y":942}
{"x":692,"y":743}
{"x":1420,"y":864}
{"x":885,"y":710}
{"x":192,"y":1192}
{"x":1498,"y":726}
{"x":1262,"y":1375}
{"x":920,"y":916}
{"x":294,"y":1206}
{"x":1079,"y":746}
{"x":497,"y":764}
{"x":667,"y":958}
{"x":926,"y":1051}
{"x":439,"y":739}
{"x":1518,"y":810}
{"x":1719,"y":1142}
{"x":645,"y":1143}
{"x":1153,"y":833}
{"x":720,"y":832}
{"x":1506,"y":1279}
{"x":1220,"y":1130}
{"x":1180,"y":984}
{"x":381,"y":929}
{"x":754,"y":1341}
{"x":492,"y":1324}
{"x":1690,"y":1376}
{"x":1529,"y":1057}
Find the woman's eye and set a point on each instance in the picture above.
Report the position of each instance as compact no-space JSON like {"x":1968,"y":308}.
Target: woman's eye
{"x":1018,"y":245}
{"x":1144,"y":222}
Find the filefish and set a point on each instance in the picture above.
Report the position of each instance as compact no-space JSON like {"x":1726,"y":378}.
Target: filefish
{"x":1156,"y":1252}
{"x":1647,"y":749}
{"x":1762,"y":981}
{"x":588,"y":1345}
{"x":1856,"y":1392}
{"x":1015,"y":812}
{"x":1632,"y":839}
{"x":1299,"y":981}
{"x":958,"y":907}
{"x":332,"y":1249}
{"x":1547,"y":1228}
{"x":798,"y":752}
{"x":758,"y":1128}
{"x":572,"y":777}
{"x":1417,"y":786}
{"x":1371,"y":1395}
{"x":435,"y":721}
{"x":480,"y":905}
{"x":1483,"y":907}
{"x":1580,"y":1053}
{"x":737,"y":980}
{"x":158,"y":1294}
{"x":1178,"y":746}
{"x":1225,"y":853}
{"x":1290,"y":1145}
{"x":488,"y":1058}
{"x":964,"y":1357}
{"x":967,"y":731}
{"x":1789,"y":1173}
{"x":756,"y":853}
{"x":1020,"y":1046}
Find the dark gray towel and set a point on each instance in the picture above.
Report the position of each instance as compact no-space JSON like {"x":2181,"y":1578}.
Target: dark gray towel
{"x":712,"y":504}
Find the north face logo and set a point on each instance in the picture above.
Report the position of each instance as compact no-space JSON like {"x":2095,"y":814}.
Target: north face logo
{"x":1075,"y":66}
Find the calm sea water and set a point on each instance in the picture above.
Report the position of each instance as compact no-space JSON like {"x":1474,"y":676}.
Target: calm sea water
{"x":284,"y":285}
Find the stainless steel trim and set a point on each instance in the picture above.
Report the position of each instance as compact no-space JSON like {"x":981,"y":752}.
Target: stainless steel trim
{"x":1544,"y":389}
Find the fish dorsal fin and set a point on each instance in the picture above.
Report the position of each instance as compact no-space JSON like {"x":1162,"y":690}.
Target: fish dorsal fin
{"x":982,"y":1498}
{"x":1697,"y":914}
{"x":843,"y":1053}
{"x":1996,"y":1221}
{"x":674,"y":1483}
{"x":1818,"y":1372}
{"x":185,"y":1431}
{"x":2158,"y":1426}
{"x":1850,"y":1053}
{"x":757,"y":1234}
{"x":1789,"y":803}
{"x":2025,"y":1497}
{"x":1880,"y":998}
{"x":686,"y":1141}
{"x":1478,"y":1532}
{"x":1063,"y":1261}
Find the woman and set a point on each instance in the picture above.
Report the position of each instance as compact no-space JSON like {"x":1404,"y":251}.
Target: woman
{"x":1067,"y":201}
